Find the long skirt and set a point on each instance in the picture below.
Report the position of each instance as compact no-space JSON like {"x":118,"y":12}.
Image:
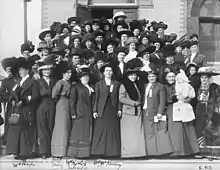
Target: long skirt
{"x":106,"y":136}
{"x":60,"y":136}
{"x":45,"y":123}
{"x":157,"y":139}
{"x":182,"y":134}
{"x":80,"y":139}
{"x":132,"y":136}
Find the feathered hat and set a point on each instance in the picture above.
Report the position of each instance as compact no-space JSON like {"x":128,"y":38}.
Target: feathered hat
{"x":169,"y":50}
{"x":8,"y":62}
{"x":209,"y":71}
{"x":158,"y":25}
{"x":27,"y":46}
{"x":135,"y":24}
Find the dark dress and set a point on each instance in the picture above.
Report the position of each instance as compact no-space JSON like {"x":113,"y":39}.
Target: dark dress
{"x":81,"y":133}
{"x":106,"y":135}
{"x":182,"y":134}
{"x":22,"y":136}
{"x":45,"y":116}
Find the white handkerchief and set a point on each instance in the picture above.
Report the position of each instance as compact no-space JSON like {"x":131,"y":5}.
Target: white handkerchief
{"x":163,"y":118}
{"x":92,"y":90}
{"x":111,"y":88}
{"x":150,"y":93}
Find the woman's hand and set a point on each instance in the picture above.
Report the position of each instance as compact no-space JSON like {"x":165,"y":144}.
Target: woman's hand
{"x":74,"y":117}
{"x":137,"y":103}
{"x":95,"y":115}
{"x":159,"y":116}
{"x":119,"y":114}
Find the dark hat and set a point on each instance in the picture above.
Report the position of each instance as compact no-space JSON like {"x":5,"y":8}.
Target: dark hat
{"x":125,"y":31}
{"x":169,"y":50}
{"x":132,"y":70}
{"x":35,"y":58}
{"x":73,"y":37}
{"x":48,"y":62}
{"x":192,"y":64}
{"x":154,"y":70}
{"x":99,"y":33}
{"x":76,"y":51}
{"x":9,"y":62}
{"x":111,"y":41}
{"x":158,"y":40}
{"x":56,"y":27}
{"x":135,"y":24}
{"x":27,"y":46}
{"x":144,"y":49}
{"x":99,"y":56}
{"x":59,"y":50}
{"x":180,"y":44}
{"x":143,"y":21}
{"x":152,"y":24}
{"x":121,"y":50}
{"x":87,"y":37}
{"x":96,"y":22}
{"x":46,"y":31}
{"x":105,"y":22}
{"x":42,"y":45}
{"x":66,"y":66}
{"x":131,"y":40}
{"x":87,"y":23}
{"x":134,"y":63}
{"x":70,"y":19}
{"x":64,"y":25}
{"x":108,"y":64}
{"x":84,"y":70}
{"x":156,"y":26}
{"x":145,"y":34}
{"x":170,"y":38}
{"x":191,"y":43}
{"x":122,"y":23}
{"x":209,"y":71}
{"x":21,"y":62}
{"x":87,"y":53}
{"x":194,"y":35}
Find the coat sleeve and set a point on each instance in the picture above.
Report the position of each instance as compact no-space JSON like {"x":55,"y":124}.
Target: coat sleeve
{"x":123,"y":96}
{"x":56,"y":91}
{"x":72,"y":101}
{"x":96,"y":98}
{"x":162,"y":98}
{"x":35,"y":92}
{"x":204,"y":61}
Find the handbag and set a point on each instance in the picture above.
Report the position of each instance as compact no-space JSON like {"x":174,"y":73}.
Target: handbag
{"x":14,"y":118}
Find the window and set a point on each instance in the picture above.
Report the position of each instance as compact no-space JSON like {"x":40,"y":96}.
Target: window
{"x":112,"y":2}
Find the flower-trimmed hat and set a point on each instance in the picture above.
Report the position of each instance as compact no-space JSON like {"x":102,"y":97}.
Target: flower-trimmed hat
{"x":121,"y":49}
{"x":70,"y":19}
{"x":27,"y":46}
{"x":8,"y":62}
{"x":161,"y":24}
{"x":124,"y":31}
{"x":143,"y":49}
{"x":209,"y":71}
{"x":131,"y":40}
{"x":48,"y":62}
{"x":46,"y":31}
{"x":42,"y":45}
{"x":108,"y":64}
{"x":169,"y":50}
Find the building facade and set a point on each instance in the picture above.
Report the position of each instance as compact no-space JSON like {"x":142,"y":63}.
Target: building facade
{"x":183,"y":17}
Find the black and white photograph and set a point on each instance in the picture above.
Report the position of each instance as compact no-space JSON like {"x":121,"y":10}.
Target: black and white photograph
{"x":110,"y":84}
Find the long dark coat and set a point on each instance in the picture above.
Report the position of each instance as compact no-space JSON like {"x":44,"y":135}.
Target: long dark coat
{"x":22,"y":136}
{"x":81,"y":133}
{"x":45,"y":116}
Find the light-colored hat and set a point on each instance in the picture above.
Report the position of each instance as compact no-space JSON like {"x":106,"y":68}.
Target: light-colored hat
{"x":76,"y":30}
{"x":209,"y":71}
{"x":119,"y":14}
{"x":44,"y":67}
{"x":132,"y":40}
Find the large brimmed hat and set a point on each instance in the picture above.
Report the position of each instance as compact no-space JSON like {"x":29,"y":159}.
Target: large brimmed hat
{"x":27,"y":46}
{"x":191,"y":43}
{"x":70,"y":19}
{"x":76,"y":36}
{"x":42,"y":45}
{"x":145,"y":35}
{"x":59,"y":50}
{"x":143,"y":21}
{"x":108,"y":64}
{"x":46,"y":31}
{"x":87,"y":53}
{"x":192,"y":64}
{"x":132,"y":40}
{"x":119,"y":14}
{"x":48,"y":62}
{"x":121,"y":49}
{"x":156,"y":26}
{"x":135,"y":24}
{"x":134,"y":63}
{"x":8,"y":62}
{"x":99,"y":33}
{"x":209,"y":71}
{"x":124,"y":31}
{"x":21,"y":62}
{"x":89,"y":37}
{"x":158,"y":40}
{"x":170,"y":38}
{"x":64,"y":25}
{"x":122,"y":23}
{"x":99,"y":55}
{"x":85,"y":71}
{"x":76,"y":51}
{"x":169,"y":50}
{"x":132,"y":70}
{"x":144,"y":49}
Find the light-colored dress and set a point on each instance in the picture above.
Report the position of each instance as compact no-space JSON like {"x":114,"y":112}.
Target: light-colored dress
{"x":132,"y":132}
{"x":59,"y":142}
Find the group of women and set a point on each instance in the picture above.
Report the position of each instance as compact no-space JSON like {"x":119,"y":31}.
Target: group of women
{"x":93,"y":98}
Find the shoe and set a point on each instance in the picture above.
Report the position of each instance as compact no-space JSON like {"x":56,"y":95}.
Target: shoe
{"x":44,"y":156}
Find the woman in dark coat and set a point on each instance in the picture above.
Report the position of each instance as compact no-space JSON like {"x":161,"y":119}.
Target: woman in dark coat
{"x":106,"y":112}
{"x":45,"y":111}
{"x":62,"y":124}
{"x":25,"y":98}
{"x":81,"y":112}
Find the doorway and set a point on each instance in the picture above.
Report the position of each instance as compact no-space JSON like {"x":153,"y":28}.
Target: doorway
{"x":101,"y":12}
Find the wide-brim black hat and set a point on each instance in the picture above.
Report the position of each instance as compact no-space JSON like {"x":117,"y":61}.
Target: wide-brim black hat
{"x":21,"y":62}
{"x":125,"y":31}
{"x":191,"y":43}
{"x":121,"y":49}
{"x":70,"y":19}
{"x":76,"y":51}
{"x":59,"y":50}
{"x":99,"y":55}
{"x":132,"y":70}
{"x":145,"y":35}
{"x":46,"y":31}
{"x":209,"y":71}
{"x":135,"y":24}
{"x":64,"y":25}
{"x":156,"y":26}
{"x":88,"y":37}
{"x":99,"y":33}
{"x":134,"y":63}
{"x":76,"y":36}
{"x":9,"y":62}
{"x":108,"y":64}
{"x":149,"y":49}
{"x":169,"y":50}
{"x":170,"y":38}
{"x":87,"y":53}
{"x":122,"y":23}
{"x":158,"y":40}
{"x":28,"y":46}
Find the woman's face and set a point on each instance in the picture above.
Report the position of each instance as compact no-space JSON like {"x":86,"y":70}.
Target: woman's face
{"x":23,"y":72}
{"x":160,"y":31}
{"x":136,"y":32}
{"x":132,"y":47}
{"x":106,"y":27}
{"x":88,"y":28}
{"x":179,"y":49}
{"x":157,"y":45}
{"x":108,"y":72}
{"x":88,"y":44}
{"x":146,"y":56}
{"x":100,"y":63}
{"x":75,"y":60}
{"x":110,"y":48}
{"x":26,"y":54}
{"x":95,"y":27}
{"x":124,"y":37}
{"x":132,"y":77}
{"x":8,"y":70}
{"x":144,"y":41}
{"x":45,"y":52}
{"x":170,"y":78}
{"x":47,"y":37}
{"x":99,"y":39}
{"x":119,"y":28}
{"x":194,"y":49}
{"x":192,"y":71}
{"x":152,"y":78}
{"x":67,"y":75}
{"x":84,"y":79}
{"x":76,"y":42}
{"x":67,"y":52}
{"x":121,"y":56}
{"x":46,"y":72}
{"x":65,"y":31}
{"x":170,"y":59}
{"x":204,"y":79}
